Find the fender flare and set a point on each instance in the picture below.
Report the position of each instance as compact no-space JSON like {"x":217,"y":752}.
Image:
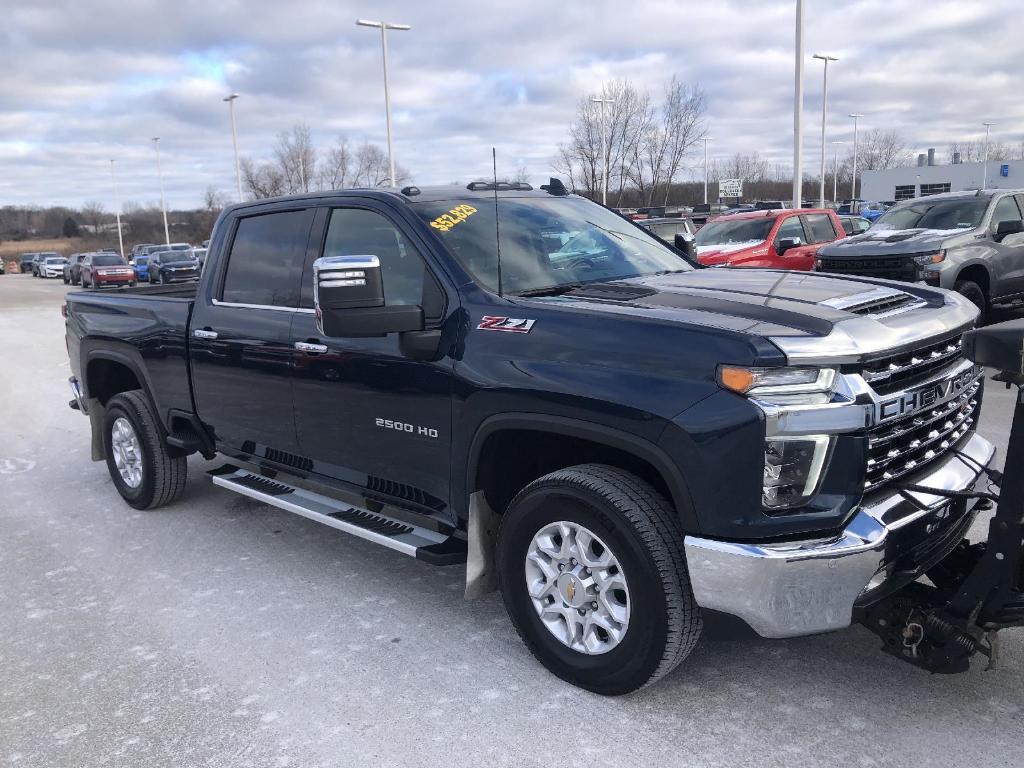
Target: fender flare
{"x":681,"y":499}
{"x":125,"y":355}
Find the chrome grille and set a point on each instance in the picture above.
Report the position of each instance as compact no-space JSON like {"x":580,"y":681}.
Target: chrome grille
{"x":899,"y":447}
{"x":893,"y":373}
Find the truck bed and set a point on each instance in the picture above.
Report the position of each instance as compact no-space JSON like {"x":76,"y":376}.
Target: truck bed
{"x":145,"y":327}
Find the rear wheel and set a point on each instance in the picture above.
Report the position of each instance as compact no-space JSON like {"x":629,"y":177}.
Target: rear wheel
{"x":976,"y":294}
{"x":593,"y":575}
{"x":143,"y":471}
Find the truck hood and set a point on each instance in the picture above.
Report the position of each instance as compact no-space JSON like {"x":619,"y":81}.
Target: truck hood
{"x":730,"y":253}
{"x":892,"y":242}
{"x":754,"y":301}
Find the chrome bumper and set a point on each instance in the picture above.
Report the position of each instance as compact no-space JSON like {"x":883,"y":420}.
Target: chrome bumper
{"x":800,"y":588}
{"x":76,"y":390}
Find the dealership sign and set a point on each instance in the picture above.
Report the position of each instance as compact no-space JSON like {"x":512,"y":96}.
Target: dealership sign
{"x":730,"y":188}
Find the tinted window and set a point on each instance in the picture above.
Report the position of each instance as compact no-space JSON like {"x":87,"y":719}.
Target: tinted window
{"x":359,"y":232}
{"x":107,"y":260}
{"x":265,"y":263}
{"x":790,"y":229}
{"x":1006,"y":210}
{"x":820,"y":228}
{"x":951,"y":213}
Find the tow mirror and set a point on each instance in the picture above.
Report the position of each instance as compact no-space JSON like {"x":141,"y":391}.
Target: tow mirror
{"x":1012,"y":227}
{"x":686,"y":243}
{"x":348,"y":293}
{"x":786,"y":243}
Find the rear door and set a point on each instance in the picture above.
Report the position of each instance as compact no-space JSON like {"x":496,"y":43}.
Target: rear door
{"x":1008,"y":262}
{"x":820,"y":229}
{"x":366,"y":412}
{"x":240,"y":345}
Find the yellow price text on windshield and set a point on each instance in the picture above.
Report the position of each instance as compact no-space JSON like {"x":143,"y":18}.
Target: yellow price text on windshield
{"x":456,"y":215}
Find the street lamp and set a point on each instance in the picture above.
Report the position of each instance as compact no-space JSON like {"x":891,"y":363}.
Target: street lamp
{"x":798,"y":107}
{"x":160,"y":175}
{"x":824,"y":112}
{"x":853,"y":187}
{"x":234,"y":141}
{"x":384,"y":27}
{"x":984,"y":163}
{"x":117,"y":208}
{"x":835,"y":171}
{"x":706,"y":139}
{"x":604,"y":147}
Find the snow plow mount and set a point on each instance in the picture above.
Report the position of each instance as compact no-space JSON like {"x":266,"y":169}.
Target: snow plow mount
{"x":978,"y":589}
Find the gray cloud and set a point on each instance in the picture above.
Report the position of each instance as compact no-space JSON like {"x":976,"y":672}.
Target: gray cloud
{"x":91,"y":80}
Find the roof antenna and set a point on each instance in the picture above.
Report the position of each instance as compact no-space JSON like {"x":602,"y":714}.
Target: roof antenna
{"x":497,"y":227}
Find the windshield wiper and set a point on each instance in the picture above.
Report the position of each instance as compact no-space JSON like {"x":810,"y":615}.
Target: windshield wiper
{"x":551,"y":290}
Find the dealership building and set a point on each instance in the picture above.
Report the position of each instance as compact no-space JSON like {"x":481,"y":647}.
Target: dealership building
{"x":927,"y":178}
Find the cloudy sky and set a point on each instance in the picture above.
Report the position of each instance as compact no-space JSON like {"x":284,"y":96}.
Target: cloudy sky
{"x":89,"y":80}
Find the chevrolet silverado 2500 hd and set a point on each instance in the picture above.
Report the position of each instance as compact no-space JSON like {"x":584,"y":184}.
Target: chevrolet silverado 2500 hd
{"x":523,"y":381}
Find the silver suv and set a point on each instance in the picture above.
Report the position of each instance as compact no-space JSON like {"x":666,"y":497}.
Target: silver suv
{"x":971,"y":242}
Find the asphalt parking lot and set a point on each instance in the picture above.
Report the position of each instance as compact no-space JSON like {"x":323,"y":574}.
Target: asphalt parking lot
{"x":222,"y":632}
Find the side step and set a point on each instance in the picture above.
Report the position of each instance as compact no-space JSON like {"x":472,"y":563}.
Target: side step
{"x":422,"y":543}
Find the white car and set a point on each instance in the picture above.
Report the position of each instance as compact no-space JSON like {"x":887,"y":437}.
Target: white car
{"x":52,"y":266}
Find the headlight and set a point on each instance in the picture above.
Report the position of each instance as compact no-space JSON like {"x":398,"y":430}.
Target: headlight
{"x":930,"y":258}
{"x":792,"y":468}
{"x":782,"y":386}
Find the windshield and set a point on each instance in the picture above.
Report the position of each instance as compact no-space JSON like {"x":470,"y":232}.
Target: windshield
{"x":735,"y":231}
{"x":179,"y":247}
{"x":107,"y":260}
{"x":142,"y":260}
{"x":546,"y":243}
{"x":55,"y":260}
{"x":956,"y":213}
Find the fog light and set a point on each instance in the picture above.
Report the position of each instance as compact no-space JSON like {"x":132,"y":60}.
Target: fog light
{"x":792,"y":468}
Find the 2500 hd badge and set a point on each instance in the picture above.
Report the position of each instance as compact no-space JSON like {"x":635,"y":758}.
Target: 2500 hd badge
{"x":402,"y":426}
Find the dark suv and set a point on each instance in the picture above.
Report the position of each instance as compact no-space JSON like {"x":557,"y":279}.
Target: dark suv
{"x":173,"y":266}
{"x":971,"y":242}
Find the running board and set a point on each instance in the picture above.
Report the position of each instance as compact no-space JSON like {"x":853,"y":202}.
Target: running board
{"x":413,"y":540}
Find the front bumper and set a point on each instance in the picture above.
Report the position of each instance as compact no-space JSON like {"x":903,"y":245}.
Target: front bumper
{"x":800,"y":588}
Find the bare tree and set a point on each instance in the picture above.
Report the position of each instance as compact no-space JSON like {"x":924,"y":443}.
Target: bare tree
{"x":880,"y":149}
{"x":371,"y":167}
{"x":336,"y":168}
{"x":974,"y":151}
{"x":263,"y":180}
{"x":750,"y":168}
{"x":214,"y":200}
{"x":296,"y":158}
{"x":93,"y":215}
{"x":682,"y":125}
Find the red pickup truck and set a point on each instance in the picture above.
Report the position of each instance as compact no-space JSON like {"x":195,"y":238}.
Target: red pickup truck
{"x":774,"y":239}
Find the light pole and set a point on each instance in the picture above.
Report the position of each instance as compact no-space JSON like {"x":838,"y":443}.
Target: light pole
{"x":117,"y":208}
{"x":160,"y":175}
{"x":706,"y":139}
{"x":984,"y":163}
{"x":383,"y":26}
{"x":234,"y":141}
{"x":798,"y":107}
{"x":824,"y":113}
{"x":604,"y":147}
{"x":853,"y":187}
{"x":835,"y":171}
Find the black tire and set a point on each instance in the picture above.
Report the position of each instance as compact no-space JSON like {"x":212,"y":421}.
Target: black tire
{"x":163,"y":475}
{"x":66,"y":281}
{"x":976,"y":294}
{"x":643,"y":532}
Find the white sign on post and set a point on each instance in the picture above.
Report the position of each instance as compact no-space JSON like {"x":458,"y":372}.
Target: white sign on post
{"x":730,"y":188}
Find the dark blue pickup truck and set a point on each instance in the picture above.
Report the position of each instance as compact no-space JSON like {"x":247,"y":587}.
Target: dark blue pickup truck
{"x":522,"y":381}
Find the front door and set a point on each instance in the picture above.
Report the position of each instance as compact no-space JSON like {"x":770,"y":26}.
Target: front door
{"x":800,"y":257}
{"x":240,"y":345}
{"x":1008,"y":263}
{"x":366,"y":413}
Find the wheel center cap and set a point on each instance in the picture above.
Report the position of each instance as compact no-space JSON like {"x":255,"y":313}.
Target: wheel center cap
{"x":572,"y":590}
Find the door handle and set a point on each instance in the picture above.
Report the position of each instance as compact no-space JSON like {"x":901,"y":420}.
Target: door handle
{"x":204,"y":333}
{"x":313,"y":349}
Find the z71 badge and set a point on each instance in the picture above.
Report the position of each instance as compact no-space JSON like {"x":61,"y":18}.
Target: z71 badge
{"x":510,"y":324}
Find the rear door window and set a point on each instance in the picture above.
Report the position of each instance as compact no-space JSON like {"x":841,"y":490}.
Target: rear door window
{"x":265,"y":263}
{"x":819,"y":228}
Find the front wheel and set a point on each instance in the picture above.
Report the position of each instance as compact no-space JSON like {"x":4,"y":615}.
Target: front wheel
{"x":971,"y":290}
{"x":593,"y":574}
{"x":143,"y":471}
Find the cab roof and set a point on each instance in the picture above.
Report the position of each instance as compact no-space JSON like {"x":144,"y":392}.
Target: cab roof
{"x":771,"y":213}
